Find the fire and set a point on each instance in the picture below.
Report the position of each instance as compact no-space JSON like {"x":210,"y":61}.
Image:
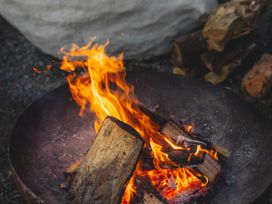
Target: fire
{"x":103,"y":90}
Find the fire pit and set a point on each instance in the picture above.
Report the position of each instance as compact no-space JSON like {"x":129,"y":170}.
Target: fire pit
{"x":50,"y":136}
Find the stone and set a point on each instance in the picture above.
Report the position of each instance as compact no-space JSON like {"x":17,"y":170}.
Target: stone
{"x":142,"y":29}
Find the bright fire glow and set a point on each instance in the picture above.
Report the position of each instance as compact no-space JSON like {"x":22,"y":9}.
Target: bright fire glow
{"x":102,"y":89}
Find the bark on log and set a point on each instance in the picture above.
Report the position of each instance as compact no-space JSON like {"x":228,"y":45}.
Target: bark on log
{"x":149,"y":193}
{"x":258,"y":81}
{"x":108,"y":164}
{"x":222,"y":64}
{"x":187,"y":49}
{"x":180,"y":157}
{"x":231,"y":20}
{"x":231,"y":57}
{"x":72,"y":169}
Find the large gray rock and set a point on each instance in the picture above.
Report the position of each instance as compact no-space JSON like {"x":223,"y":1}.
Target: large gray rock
{"x":140,"y":28}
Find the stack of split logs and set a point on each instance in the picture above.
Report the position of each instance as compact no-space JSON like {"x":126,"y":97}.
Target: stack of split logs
{"x":224,"y":43}
{"x":101,"y":176}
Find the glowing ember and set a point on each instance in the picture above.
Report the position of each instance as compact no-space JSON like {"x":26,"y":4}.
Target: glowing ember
{"x":104,"y":91}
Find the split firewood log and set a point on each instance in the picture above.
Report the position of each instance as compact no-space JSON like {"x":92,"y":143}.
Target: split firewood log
{"x":210,"y":168}
{"x":181,"y":158}
{"x":149,"y":198}
{"x":187,"y":48}
{"x":149,"y":194}
{"x":258,"y":81}
{"x":205,"y":165}
{"x":108,"y":164}
{"x":232,"y":56}
{"x":173,"y":131}
{"x":221,"y":64}
{"x":231,"y":20}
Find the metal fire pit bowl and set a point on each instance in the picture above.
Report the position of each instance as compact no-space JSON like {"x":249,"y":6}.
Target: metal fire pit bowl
{"x":50,"y":135}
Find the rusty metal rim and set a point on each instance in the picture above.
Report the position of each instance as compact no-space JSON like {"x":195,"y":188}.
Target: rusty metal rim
{"x":28,"y":195}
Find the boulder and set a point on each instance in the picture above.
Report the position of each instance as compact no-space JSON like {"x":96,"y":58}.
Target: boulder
{"x":141,"y":28}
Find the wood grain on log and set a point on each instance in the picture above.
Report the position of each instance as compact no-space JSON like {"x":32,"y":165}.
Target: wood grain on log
{"x":149,"y":193}
{"x":210,"y":168}
{"x":149,"y":198}
{"x":258,"y":81}
{"x":108,"y":164}
{"x":173,"y":131}
{"x":229,"y":21}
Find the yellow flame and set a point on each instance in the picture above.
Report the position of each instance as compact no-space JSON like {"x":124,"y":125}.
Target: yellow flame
{"x":104,"y":91}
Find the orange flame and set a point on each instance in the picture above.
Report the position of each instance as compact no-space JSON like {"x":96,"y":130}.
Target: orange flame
{"x":104,"y":91}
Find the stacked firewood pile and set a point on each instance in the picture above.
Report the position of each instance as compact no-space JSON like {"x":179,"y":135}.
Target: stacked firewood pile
{"x":224,"y":43}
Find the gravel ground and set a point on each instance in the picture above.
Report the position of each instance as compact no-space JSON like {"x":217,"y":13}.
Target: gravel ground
{"x":20,"y":86}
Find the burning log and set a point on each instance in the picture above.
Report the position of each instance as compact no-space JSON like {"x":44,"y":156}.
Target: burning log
{"x":258,"y":81}
{"x":112,"y":157}
{"x":108,"y":164}
{"x":173,"y":131}
{"x":149,"y":194}
{"x":149,"y":198}
{"x":187,"y":48}
{"x":181,"y":158}
{"x":209,"y":168}
{"x":231,"y":20}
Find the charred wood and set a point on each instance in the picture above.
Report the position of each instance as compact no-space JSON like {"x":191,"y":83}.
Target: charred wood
{"x":174,"y":131}
{"x":210,"y":168}
{"x":149,"y":193}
